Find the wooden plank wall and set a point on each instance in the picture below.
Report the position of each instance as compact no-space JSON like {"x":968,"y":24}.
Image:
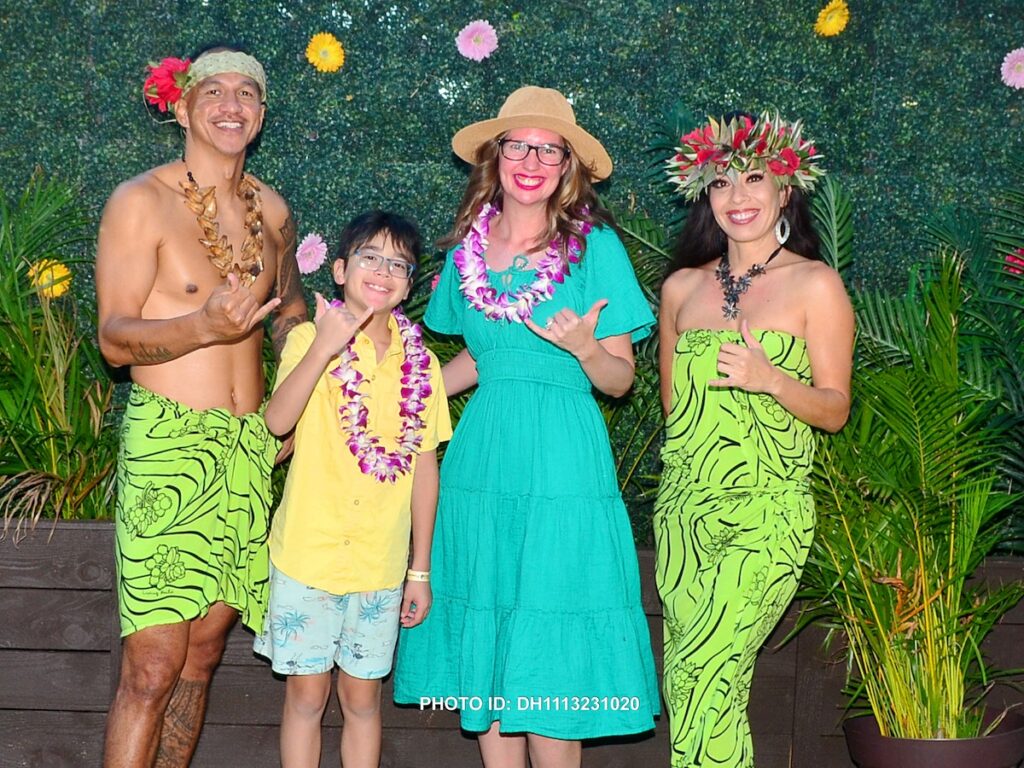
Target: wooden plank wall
{"x":59,"y":647}
{"x":59,"y":656}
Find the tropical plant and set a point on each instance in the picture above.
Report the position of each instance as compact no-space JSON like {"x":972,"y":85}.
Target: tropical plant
{"x":991,"y":329}
{"x":909,"y":503}
{"x":445,"y":347}
{"x":832,"y":209}
{"x":635,"y":422}
{"x":994,"y":322}
{"x":56,"y":448}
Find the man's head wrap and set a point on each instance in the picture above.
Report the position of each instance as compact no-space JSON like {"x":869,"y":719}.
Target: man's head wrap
{"x":219,"y":62}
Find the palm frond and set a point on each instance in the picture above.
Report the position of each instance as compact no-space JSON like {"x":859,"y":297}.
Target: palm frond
{"x":677,"y":120}
{"x":648,"y":244}
{"x":958,"y":229}
{"x":887,"y":329}
{"x":832,"y":209}
{"x":422,"y":287}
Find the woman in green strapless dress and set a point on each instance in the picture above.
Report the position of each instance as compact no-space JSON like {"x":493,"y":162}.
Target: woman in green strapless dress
{"x":743,"y":383}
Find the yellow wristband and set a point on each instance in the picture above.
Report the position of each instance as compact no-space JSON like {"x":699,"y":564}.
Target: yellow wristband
{"x":412,"y":575}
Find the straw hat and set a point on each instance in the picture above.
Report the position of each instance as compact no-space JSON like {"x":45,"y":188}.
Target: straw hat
{"x":533,"y":107}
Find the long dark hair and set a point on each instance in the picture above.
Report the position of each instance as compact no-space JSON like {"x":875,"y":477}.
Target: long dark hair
{"x":703,"y":241}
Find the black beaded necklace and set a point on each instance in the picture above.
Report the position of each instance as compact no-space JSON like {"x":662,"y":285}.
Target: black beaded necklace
{"x":734,"y":287}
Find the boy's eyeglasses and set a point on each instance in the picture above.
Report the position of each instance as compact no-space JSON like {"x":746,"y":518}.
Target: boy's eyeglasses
{"x":547,"y":154}
{"x":373,"y":261}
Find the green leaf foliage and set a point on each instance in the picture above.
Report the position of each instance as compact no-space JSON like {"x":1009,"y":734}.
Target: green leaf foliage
{"x":56,"y":448}
{"x":832,"y":209}
{"x":910,"y":501}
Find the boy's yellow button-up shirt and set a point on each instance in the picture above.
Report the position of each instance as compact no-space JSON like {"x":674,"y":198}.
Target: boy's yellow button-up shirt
{"x":337,"y":529}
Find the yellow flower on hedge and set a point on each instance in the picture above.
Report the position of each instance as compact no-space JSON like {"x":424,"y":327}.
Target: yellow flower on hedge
{"x":50,"y":278}
{"x":325,"y":52}
{"x":832,"y":19}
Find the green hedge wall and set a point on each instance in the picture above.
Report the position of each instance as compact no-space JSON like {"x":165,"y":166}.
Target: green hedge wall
{"x":907,"y":102}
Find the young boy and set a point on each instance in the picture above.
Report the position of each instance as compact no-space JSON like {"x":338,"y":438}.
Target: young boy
{"x":367,"y":403}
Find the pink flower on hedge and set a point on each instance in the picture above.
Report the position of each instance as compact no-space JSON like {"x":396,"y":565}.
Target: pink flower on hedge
{"x":311,"y":253}
{"x":477,"y":40}
{"x":434,"y":281}
{"x":1013,"y":68}
{"x":1015,"y":262}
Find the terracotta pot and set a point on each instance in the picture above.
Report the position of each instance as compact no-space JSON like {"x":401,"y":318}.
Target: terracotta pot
{"x":1003,"y":748}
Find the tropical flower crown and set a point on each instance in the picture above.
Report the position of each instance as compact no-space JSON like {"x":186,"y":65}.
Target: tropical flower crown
{"x":741,"y":144}
{"x":172,"y":78}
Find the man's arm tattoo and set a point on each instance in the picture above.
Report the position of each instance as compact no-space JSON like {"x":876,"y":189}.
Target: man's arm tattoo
{"x":279,"y":332}
{"x":289,"y":289}
{"x":145,"y":355}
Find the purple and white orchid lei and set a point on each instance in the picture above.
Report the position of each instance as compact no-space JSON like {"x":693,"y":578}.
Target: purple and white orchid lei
{"x":372,"y":457}
{"x":518,"y":305}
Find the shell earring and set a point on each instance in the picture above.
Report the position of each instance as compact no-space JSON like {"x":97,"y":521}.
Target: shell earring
{"x":782,"y":229}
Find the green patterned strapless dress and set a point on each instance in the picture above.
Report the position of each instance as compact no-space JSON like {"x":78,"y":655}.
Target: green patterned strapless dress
{"x":733,"y":524}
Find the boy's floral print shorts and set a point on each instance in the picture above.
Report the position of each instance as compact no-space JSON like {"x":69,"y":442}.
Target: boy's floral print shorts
{"x":308,"y":630}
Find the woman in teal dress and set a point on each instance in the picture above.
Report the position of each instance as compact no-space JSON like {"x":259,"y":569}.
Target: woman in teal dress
{"x":536,"y":632}
{"x":756,"y":347}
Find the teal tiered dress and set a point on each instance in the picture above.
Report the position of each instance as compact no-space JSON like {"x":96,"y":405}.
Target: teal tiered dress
{"x":536,"y":621}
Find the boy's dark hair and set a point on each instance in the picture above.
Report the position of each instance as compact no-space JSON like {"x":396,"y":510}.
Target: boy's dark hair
{"x":402,"y":233}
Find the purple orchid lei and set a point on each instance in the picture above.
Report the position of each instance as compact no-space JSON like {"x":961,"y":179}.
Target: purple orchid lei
{"x":517,"y":306}
{"x":372,"y":457}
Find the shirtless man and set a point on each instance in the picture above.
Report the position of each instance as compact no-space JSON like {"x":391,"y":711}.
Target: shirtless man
{"x":184,"y":309}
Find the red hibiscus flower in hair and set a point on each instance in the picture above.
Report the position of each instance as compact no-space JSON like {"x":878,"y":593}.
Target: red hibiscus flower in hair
{"x":743,"y":133}
{"x":695,"y":140}
{"x":762,"y":140}
{"x":683,"y":162}
{"x":165,"y":82}
{"x":704,"y":155}
{"x":787,"y":163}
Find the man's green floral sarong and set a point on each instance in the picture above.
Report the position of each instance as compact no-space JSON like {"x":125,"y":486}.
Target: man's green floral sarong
{"x":192,"y":509}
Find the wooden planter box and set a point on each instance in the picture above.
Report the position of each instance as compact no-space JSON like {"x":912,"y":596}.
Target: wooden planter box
{"x":60,"y":653}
